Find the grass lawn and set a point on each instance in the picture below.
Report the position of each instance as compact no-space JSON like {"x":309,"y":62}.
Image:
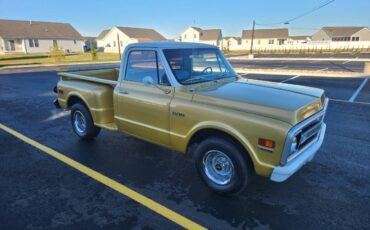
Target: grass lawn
{"x":35,"y":59}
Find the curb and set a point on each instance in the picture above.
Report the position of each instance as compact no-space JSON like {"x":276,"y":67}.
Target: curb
{"x":300,"y":59}
{"x":58,"y":65}
{"x":313,"y":73}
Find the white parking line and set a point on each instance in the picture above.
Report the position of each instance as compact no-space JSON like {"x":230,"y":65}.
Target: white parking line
{"x":346,"y":62}
{"x":357,"y":92}
{"x":322,"y":69}
{"x":284,"y":67}
{"x":297,"y":76}
{"x":56,"y":115}
{"x":354,"y":102}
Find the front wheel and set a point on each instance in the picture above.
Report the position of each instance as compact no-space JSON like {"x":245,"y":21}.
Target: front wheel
{"x":82,"y":122}
{"x":222,"y":166}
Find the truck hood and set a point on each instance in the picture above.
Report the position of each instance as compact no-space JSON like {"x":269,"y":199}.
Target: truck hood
{"x":285,"y":102}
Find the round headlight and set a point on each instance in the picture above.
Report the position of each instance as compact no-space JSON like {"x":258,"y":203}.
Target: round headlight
{"x":294,"y":146}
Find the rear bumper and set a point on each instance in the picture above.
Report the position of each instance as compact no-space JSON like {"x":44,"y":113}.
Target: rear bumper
{"x":281,"y":173}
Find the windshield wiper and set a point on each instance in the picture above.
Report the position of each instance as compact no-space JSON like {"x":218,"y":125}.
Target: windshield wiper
{"x":223,"y":76}
{"x":195,"y":79}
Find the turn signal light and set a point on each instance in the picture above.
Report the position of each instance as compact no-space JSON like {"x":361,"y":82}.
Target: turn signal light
{"x":266,"y":143}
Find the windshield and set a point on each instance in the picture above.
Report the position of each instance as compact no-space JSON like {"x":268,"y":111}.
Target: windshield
{"x":192,"y":66}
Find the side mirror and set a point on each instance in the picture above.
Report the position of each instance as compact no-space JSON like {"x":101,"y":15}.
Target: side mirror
{"x":147,"y":81}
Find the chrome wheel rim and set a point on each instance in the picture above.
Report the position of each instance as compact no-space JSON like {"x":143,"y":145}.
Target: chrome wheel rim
{"x":218,"y":167}
{"x":79,"y":122}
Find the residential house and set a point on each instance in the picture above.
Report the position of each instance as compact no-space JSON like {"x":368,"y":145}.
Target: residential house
{"x":297,"y":40}
{"x":342,"y":34}
{"x":264,"y":37}
{"x":231,"y":43}
{"x":209,"y":36}
{"x":38,"y":37}
{"x":116,"y":39}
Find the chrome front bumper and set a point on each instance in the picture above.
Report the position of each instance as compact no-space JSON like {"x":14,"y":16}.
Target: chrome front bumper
{"x":281,"y":173}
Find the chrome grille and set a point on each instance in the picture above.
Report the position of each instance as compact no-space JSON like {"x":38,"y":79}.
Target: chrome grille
{"x":309,"y":134}
{"x":306,"y":133}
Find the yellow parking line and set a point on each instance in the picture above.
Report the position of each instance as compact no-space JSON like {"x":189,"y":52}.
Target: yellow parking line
{"x":141,"y":199}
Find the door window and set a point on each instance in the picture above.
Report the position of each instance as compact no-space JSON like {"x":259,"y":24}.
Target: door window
{"x":9,"y":45}
{"x":144,"y":63}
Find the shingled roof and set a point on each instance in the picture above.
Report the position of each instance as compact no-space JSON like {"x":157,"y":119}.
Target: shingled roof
{"x":209,"y":35}
{"x":266,"y":33}
{"x":233,"y":37}
{"x":341,"y":31}
{"x":301,"y":37}
{"x":34,"y":29}
{"x":197,"y":28}
{"x":102,"y":34}
{"x":142,"y":34}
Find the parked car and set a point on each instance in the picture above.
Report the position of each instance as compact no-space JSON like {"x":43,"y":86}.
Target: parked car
{"x":187,"y":97}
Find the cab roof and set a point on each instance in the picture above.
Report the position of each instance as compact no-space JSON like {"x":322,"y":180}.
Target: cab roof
{"x":169,"y":45}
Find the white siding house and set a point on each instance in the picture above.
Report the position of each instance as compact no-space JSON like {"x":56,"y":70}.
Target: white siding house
{"x":231,"y":43}
{"x":210,"y":36}
{"x":296,"y":40}
{"x":116,"y":39}
{"x":38,"y":37}
{"x":342,"y":34}
{"x":264,"y":38}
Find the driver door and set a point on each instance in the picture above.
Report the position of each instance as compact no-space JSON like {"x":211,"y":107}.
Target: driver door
{"x":143,"y":109}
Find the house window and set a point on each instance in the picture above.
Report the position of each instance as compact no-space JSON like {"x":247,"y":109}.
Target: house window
{"x":55,"y":43}
{"x":355,"y":39}
{"x":195,"y":36}
{"x":33,"y":42}
{"x":30,"y":42}
{"x":271,"y":41}
{"x":9,"y":45}
{"x":75,"y":42}
{"x":184,"y":36}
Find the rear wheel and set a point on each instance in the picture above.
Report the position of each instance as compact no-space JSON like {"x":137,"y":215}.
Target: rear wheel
{"x":221,"y":165}
{"x":82,"y":122}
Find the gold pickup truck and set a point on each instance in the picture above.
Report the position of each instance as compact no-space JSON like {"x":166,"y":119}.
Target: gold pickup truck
{"x":187,"y":97}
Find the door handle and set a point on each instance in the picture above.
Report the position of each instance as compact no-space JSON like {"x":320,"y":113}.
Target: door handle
{"x":122,"y":92}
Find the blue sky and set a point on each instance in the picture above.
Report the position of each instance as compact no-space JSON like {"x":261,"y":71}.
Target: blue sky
{"x":171,"y":17}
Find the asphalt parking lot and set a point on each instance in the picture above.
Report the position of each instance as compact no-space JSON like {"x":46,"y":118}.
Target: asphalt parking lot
{"x":41,"y":192}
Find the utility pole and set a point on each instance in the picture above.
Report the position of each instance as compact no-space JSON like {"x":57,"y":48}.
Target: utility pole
{"x":251,"y":50}
{"x":119,"y":47}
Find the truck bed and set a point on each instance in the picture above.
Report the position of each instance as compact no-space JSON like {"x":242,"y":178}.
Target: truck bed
{"x":104,"y":76}
{"x":96,"y":87}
